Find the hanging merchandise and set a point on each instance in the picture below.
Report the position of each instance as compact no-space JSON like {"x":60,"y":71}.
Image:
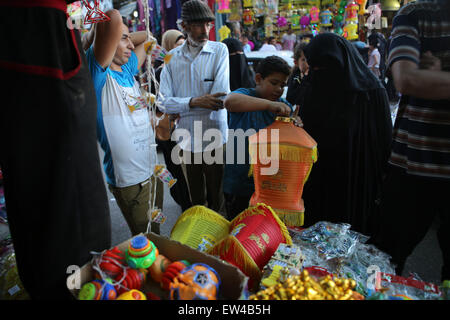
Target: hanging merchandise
{"x":351,"y":31}
{"x":268,"y":26}
{"x":272,"y":7}
{"x":280,"y":177}
{"x":248,"y":3}
{"x":315,"y":29}
{"x":362,"y":7}
{"x":248,"y":17}
{"x":304,"y":22}
{"x":223,"y":6}
{"x":314,"y":13}
{"x":325,"y":18}
{"x":94,"y":14}
{"x":235,"y":11}
{"x":295,"y":21}
{"x":281,"y":22}
{"x":351,"y":12}
{"x":339,"y":17}
{"x":224,"y":32}
{"x":259,"y":6}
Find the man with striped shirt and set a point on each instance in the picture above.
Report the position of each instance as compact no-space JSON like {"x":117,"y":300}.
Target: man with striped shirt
{"x":193,"y":85}
{"x":417,"y":186}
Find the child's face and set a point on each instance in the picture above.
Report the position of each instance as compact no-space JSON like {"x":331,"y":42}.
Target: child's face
{"x":302,"y":64}
{"x":272,"y":86}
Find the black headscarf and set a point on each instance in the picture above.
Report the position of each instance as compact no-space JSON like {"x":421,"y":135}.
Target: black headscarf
{"x":347,"y":112}
{"x":240,"y":74}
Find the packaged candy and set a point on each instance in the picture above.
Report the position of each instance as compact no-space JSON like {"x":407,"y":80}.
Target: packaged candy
{"x":393,"y":287}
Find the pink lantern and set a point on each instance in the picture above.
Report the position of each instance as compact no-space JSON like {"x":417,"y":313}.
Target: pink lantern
{"x":314,"y":13}
{"x":281,"y":22}
{"x":304,"y":21}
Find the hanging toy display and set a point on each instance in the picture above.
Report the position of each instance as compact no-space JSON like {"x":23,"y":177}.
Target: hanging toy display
{"x":351,"y":12}
{"x":295,"y":21}
{"x":281,"y":22}
{"x":223,"y":6}
{"x":304,"y":22}
{"x":268,"y":26}
{"x":351,"y":31}
{"x":339,"y":17}
{"x":314,"y":14}
{"x":224,"y":33}
{"x":315,"y":29}
{"x":164,"y":175}
{"x":259,"y":7}
{"x":248,"y":17}
{"x":351,"y":20}
{"x":325,"y":18}
{"x":248,"y":3}
{"x":272,"y":7}
{"x":362,"y":7}
{"x":235,"y":11}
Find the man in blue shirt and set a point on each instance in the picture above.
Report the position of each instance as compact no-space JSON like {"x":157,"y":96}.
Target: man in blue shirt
{"x":252,"y":109}
{"x":123,"y":124}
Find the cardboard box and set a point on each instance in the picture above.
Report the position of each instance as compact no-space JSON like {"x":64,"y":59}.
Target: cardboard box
{"x":232,"y":281}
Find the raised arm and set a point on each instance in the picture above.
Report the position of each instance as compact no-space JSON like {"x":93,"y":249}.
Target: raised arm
{"x":107,"y":38}
{"x":238,"y":102}
{"x":139,"y":38}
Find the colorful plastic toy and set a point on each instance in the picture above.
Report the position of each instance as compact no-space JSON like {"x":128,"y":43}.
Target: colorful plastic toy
{"x":132,"y":295}
{"x":141,"y":253}
{"x":196,"y":282}
{"x":112,"y":262}
{"x":132,"y":279}
{"x":97,"y":290}
{"x":314,"y":13}
{"x":171,"y":272}
{"x":159,"y":267}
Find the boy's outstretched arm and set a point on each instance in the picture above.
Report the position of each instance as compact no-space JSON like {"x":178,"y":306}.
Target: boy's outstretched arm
{"x":237,"y":102}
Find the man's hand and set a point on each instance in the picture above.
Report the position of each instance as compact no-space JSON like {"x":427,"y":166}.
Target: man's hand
{"x":279,"y":108}
{"x":208,"y":101}
{"x":430,"y":62}
{"x":298,"y":121}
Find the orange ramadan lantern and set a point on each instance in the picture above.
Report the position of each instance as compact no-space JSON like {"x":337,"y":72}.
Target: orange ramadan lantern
{"x":280,"y":177}
{"x":255,"y":236}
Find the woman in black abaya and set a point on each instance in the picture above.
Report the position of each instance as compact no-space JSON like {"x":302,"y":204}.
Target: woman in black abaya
{"x":346,"y":110}
{"x":240,"y":74}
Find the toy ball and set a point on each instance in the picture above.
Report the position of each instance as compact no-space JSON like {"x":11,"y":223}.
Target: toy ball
{"x":141,"y":253}
{"x":159,"y":267}
{"x":97,"y":290}
{"x":196,"y":282}
{"x":171,"y":272}
{"x":132,"y":295}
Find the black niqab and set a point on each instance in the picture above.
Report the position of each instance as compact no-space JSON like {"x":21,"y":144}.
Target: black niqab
{"x":346,"y":111}
{"x":240,"y":74}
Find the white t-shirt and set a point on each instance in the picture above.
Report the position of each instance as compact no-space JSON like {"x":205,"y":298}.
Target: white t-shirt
{"x":288,"y":41}
{"x":267,"y":47}
{"x":125,"y":134}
